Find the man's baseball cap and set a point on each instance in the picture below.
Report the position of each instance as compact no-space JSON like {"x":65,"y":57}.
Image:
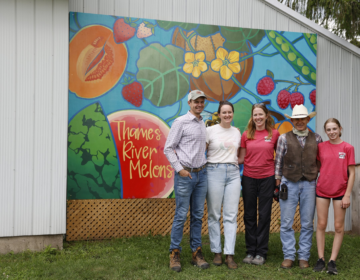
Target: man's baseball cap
{"x":195,"y":94}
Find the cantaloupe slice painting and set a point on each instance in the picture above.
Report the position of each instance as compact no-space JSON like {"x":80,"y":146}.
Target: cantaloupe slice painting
{"x":96,"y":62}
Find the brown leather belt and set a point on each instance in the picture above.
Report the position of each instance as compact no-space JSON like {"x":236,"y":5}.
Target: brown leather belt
{"x":194,"y":169}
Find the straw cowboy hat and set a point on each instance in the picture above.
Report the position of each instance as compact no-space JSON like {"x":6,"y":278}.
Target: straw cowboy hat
{"x":299,"y":112}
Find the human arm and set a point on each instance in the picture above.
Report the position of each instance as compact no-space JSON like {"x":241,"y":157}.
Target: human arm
{"x":345,"y":202}
{"x":280,"y":152}
{"x":241,"y":155}
{"x":172,"y":142}
{"x":279,"y":159}
{"x":318,"y":164}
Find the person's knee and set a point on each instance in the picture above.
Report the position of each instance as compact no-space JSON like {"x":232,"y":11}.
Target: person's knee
{"x":321,"y":225}
{"x":339,"y":228}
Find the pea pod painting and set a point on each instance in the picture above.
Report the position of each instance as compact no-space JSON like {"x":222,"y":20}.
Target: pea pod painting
{"x":129,"y":80}
{"x":293,"y":56}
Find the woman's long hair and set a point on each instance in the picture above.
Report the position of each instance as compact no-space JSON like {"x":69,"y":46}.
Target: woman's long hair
{"x":269,"y":122}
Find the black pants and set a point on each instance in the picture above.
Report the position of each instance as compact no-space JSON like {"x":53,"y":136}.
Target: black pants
{"x":257,"y":234}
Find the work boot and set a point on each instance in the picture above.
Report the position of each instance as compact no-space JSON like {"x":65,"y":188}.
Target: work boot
{"x":303,"y":264}
{"x":231,"y":264}
{"x":287,"y":263}
{"x":198,"y":259}
{"x":217,"y":259}
{"x":175,"y":260}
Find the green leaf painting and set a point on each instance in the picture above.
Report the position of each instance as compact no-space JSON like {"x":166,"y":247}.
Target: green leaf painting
{"x":236,"y":38}
{"x":162,"y":81}
{"x":93,"y":169}
{"x":170,"y":24}
{"x":243,"y":114}
{"x":206,"y":30}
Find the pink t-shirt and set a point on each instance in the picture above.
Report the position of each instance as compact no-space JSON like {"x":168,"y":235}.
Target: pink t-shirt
{"x":259,"y":158}
{"x":335,"y":159}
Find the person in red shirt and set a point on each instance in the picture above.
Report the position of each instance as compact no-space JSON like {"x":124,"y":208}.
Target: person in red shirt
{"x":257,"y":147}
{"x":337,"y":174}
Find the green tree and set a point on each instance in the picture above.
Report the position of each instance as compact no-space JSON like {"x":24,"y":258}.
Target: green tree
{"x":342,"y":17}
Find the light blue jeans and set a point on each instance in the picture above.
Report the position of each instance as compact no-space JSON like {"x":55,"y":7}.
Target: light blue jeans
{"x":304,"y":193}
{"x":223,"y":189}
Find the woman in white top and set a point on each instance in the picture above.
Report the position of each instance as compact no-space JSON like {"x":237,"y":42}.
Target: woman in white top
{"x":224,"y":186}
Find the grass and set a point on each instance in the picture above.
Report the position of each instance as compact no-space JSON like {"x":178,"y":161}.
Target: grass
{"x":147,"y":257}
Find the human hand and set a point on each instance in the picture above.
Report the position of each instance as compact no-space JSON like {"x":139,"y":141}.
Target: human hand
{"x":184,"y":173}
{"x":277,"y":183}
{"x":345,"y":202}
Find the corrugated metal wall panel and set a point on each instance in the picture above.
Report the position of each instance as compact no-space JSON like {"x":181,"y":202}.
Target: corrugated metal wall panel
{"x":24,"y":149}
{"x":7,"y":115}
{"x":207,"y":11}
{"x":91,"y":6}
{"x":122,"y":8}
{"x":106,"y":7}
{"x":192,"y":10}
{"x":355,"y":111}
{"x":232,"y":12}
{"x":151,"y":9}
{"x":26,"y":205}
{"x":137,"y":8}
{"x":270,"y":18}
{"x":245,"y":13}
{"x":322,"y":84}
{"x":166,"y":8}
{"x":220,"y":10}
{"x":179,"y":10}
{"x":43,"y":116}
{"x":294,"y":26}
{"x":345,"y":91}
{"x":334,"y":82}
{"x":76,"y":6}
{"x":60,"y":116}
{"x":282,"y":22}
{"x":258,"y":15}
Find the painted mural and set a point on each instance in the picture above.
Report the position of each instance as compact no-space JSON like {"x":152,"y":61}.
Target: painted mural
{"x":129,"y":79}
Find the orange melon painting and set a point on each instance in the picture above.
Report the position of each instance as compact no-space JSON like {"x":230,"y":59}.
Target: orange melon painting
{"x":96,"y":62}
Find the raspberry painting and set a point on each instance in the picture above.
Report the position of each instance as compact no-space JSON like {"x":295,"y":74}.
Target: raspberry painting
{"x":265,"y":86}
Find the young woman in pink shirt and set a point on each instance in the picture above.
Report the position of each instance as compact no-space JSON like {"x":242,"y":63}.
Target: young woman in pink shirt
{"x":257,"y":147}
{"x":337,"y":174}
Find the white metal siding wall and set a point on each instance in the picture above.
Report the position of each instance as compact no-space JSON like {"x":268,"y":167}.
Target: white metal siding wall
{"x":33,"y":113}
{"x":338,"y":66}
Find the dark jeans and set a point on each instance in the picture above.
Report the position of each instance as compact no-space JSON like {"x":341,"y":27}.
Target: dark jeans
{"x":257,"y":234}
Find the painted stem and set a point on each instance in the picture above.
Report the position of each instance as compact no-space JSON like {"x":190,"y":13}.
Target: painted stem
{"x":177,"y":114}
{"x":298,"y":39}
{"x":187,"y":39}
{"x":254,"y":53}
{"x":293,"y":84}
{"x":258,"y":99}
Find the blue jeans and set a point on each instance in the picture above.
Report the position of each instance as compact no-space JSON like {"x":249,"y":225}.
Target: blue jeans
{"x":223,"y":189}
{"x":304,"y":193}
{"x":189,"y":192}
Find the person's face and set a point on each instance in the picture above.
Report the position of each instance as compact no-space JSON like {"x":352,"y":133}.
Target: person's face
{"x":197,"y":106}
{"x":300,"y":124}
{"x":226,"y":114}
{"x":332,"y":131}
{"x":259,"y":117}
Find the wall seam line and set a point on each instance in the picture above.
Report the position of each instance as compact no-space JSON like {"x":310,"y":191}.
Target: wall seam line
{"x":16,"y":97}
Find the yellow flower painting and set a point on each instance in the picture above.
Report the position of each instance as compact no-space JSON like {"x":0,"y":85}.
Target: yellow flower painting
{"x":194,"y":63}
{"x":226,"y":63}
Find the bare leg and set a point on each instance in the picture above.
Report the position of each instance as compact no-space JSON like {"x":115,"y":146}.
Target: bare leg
{"x":339,"y":214}
{"x":322,"y":209}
